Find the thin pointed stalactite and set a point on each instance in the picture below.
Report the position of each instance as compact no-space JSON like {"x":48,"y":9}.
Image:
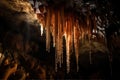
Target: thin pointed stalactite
{"x":41,"y":21}
{"x":76,"y":45}
{"x":41,"y":29}
{"x":62,"y":27}
{"x":55,"y":39}
{"x":89,"y":32}
{"x":53,"y":26}
{"x":94,"y":24}
{"x":71,"y":33}
{"x":67,"y":39}
{"x":94,"y":29}
{"x":48,"y":39}
{"x":59,"y":40}
{"x":89,"y":36}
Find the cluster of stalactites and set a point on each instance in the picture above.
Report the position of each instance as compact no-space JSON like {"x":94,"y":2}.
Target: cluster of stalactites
{"x":59,"y":24}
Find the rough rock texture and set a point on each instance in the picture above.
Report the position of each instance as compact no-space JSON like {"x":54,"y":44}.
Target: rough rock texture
{"x":19,"y":35}
{"x":10,"y":7}
{"x":17,"y":18}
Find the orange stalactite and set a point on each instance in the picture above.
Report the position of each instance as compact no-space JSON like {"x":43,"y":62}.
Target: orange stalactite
{"x":56,"y":25}
{"x":53,"y":26}
{"x":48,"y":31}
{"x":59,"y":24}
{"x":68,"y":53}
{"x":55,"y":37}
{"x":76,"y":41}
{"x":59,"y":40}
{"x":41,"y":20}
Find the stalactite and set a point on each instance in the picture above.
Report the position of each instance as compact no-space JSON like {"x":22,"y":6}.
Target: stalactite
{"x":68,"y":53}
{"x":62,"y":27}
{"x":53,"y":27}
{"x":76,"y":42}
{"x":41,"y":22}
{"x":94,"y":23}
{"x":89,"y":33}
{"x":67,"y":38}
{"x":59,"y":40}
{"x":41,"y":29}
{"x":48,"y":30}
{"x":58,"y":23}
{"x":56,"y":26}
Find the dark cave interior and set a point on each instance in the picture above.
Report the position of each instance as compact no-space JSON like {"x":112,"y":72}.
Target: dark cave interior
{"x":59,"y":39}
